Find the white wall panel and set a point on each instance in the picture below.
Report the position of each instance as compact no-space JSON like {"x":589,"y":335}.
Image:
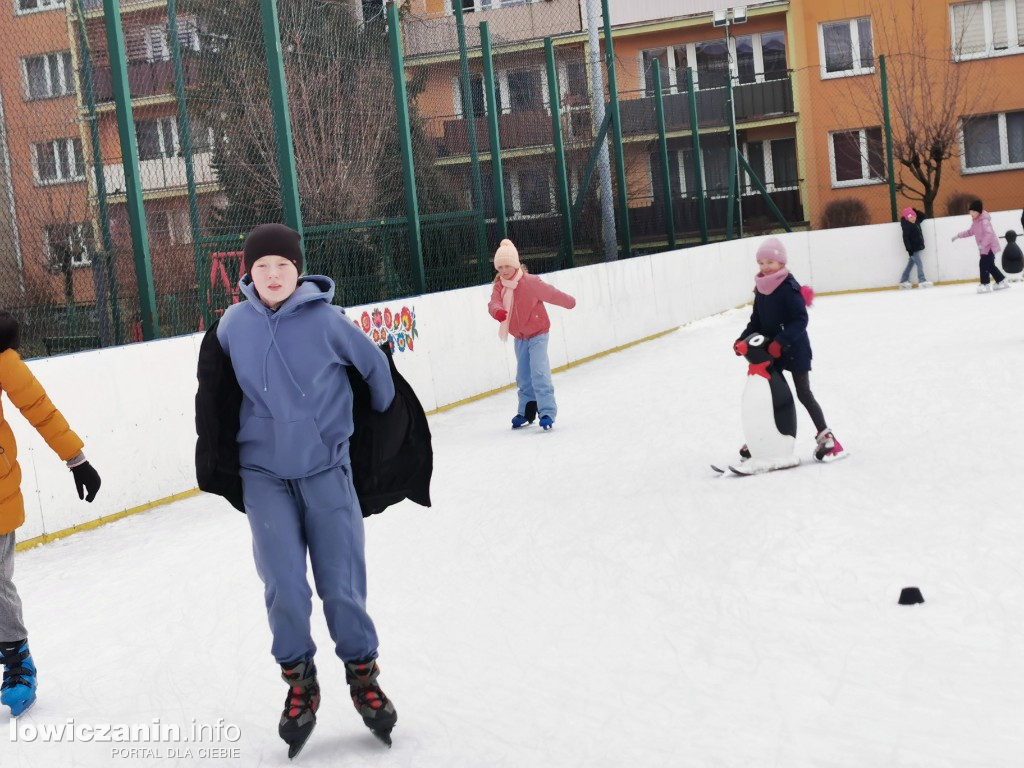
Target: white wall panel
{"x":134,"y":405}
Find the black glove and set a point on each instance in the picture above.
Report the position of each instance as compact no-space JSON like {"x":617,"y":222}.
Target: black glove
{"x":86,"y":479}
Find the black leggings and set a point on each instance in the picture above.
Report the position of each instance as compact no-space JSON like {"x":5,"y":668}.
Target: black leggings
{"x":802,"y":382}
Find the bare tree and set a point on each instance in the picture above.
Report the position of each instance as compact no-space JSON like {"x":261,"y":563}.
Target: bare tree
{"x":931,"y":96}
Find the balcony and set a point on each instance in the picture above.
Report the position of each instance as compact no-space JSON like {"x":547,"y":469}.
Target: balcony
{"x":163,"y":173}
{"x":530,"y":128}
{"x":648,"y":222}
{"x":526,"y":22}
{"x":95,"y":7}
{"x":145,"y":79}
{"x":754,"y":101}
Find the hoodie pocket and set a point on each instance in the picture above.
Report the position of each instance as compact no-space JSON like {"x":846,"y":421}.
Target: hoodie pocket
{"x":283,"y":448}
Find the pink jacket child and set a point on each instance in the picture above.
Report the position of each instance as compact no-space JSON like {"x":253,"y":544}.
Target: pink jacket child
{"x":988,"y":246}
{"x":517,"y":302}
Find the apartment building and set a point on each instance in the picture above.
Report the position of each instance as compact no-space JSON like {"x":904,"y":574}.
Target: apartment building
{"x":802,"y":75}
{"x":45,"y":228}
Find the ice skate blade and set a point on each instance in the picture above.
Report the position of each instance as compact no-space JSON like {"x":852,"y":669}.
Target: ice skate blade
{"x":23,"y":710}
{"x":830,"y":458}
{"x":295,"y":747}
{"x":384,"y":736}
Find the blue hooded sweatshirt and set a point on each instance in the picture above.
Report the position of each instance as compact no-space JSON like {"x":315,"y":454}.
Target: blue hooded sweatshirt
{"x":296,"y":415}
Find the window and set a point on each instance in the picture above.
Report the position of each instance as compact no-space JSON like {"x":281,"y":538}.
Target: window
{"x":169,"y":227}
{"x":846,"y":48}
{"x":987,"y":28}
{"x":856,"y":157}
{"x":68,"y":245}
{"x":48,"y":76}
{"x":993,"y":142}
{"x":58,"y":161}
{"x":151,"y":42}
{"x":774,"y":162}
{"x":516,"y":90}
{"x":529,"y":191}
{"x":157,"y":138}
{"x":473,"y":6}
{"x":27,"y":6}
{"x":758,"y":57}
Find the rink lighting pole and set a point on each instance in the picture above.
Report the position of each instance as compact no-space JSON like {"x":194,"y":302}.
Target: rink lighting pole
{"x":724,"y":18}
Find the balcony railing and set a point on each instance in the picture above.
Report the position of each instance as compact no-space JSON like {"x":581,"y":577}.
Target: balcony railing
{"x":648,"y":221}
{"x":145,"y":78}
{"x":125,"y":5}
{"x":161,"y":174}
{"x":754,"y":101}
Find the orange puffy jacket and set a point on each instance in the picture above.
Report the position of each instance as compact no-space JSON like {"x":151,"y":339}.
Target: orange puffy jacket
{"x":28,"y":395}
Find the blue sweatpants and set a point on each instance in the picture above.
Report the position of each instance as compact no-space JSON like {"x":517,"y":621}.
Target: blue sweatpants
{"x":320,"y":514}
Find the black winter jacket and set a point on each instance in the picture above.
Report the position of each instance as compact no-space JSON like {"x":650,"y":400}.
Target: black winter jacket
{"x":913,"y":237}
{"x":782,"y":317}
{"x":391,"y":453}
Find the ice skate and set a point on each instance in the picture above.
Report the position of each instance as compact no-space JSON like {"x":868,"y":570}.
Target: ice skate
{"x":1002,"y":284}
{"x":828,"y":448}
{"x":299,"y":716}
{"x":925,"y":284}
{"x":374,"y":707}
{"x":18,"y":690}
{"x":985,"y":288}
{"x":905,"y":285}
{"x":520,"y":420}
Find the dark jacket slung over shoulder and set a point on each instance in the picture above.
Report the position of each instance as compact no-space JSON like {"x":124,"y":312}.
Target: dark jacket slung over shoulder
{"x":390,"y":452}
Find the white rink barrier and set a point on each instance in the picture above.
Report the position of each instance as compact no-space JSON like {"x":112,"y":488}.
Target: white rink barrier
{"x":134,"y":405}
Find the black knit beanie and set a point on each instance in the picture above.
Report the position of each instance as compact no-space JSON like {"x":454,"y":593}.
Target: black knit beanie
{"x":10,"y":332}
{"x":272,"y":240}
{"x":975,"y":206}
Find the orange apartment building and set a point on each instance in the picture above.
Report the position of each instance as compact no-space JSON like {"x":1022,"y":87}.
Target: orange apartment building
{"x":799,"y":71}
{"x":44,"y":192}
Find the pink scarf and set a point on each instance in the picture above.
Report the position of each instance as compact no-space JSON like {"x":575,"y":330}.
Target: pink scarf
{"x":507,"y":296}
{"x":768,"y":283}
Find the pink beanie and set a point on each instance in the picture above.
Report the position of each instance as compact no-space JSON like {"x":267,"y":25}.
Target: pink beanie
{"x":907,"y":212}
{"x":506,"y":255}
{"x":772,"y":249}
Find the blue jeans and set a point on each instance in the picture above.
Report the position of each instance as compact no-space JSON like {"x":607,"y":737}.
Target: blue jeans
{"x":914,"y":260}
{"x":533,"y":375}
{"x":321,"y":515}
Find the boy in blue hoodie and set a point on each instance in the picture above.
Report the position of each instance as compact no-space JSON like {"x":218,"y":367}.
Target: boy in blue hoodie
{"x":289,"y":348}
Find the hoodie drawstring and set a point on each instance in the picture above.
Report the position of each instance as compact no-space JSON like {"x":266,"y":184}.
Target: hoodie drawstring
{"x":272,"y":328}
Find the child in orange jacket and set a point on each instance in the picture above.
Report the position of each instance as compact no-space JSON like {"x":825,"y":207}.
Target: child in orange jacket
{"x":517,"y":302}
{"x":19,"y":682}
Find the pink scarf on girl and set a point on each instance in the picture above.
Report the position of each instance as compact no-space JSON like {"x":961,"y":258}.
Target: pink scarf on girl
{"x":508,"y":288}
{"x":768,"y":283}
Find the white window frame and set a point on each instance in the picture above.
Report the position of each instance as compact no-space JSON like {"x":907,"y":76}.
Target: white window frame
{"x":1004,"y":149}
{"x":503,"y":94}
{"x":61,"y":147}
{"x":865,"y":160}
{"x":166,"y":152}
{"x":769,"y":166}
{"x":177,"y":225}
{"x":79,"y":235}
{"x":858,"y":66}
{"x":65,"y":76}
{"x":487,"y":5}
{"x":691,"y":55}
{"x":44,"y":5}
{"x":515,"y":197}
{"x":1013,"y":30}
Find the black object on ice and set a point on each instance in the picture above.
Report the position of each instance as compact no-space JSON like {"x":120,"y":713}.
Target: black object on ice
{"x":910,"y":596}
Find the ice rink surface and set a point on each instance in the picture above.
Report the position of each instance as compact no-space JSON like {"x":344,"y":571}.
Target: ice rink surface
{"x":595,"y":595}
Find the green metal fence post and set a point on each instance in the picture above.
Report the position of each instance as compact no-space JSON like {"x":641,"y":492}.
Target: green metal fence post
{"x":483,"y":266}
{"x":89,"y":97}
{"x":659,"y":109}
{"x":561,"y":178}
{"x":185,"y":133}
{"x":888,"y":139}
{"x":130,"y":159}
{"x":613,"y":106}
{"x":730,"y":211}
{"x":497,"y":174}
{"x":282,"y":121}
{"x":698,"y":163}
{"x":412,"y":211}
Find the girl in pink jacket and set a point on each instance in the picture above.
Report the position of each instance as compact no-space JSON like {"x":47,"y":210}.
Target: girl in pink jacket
{"x":517,"y":302}
{"x":988,"y":246}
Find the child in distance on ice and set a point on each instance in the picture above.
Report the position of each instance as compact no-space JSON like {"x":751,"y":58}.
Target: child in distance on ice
{"x":913,"y":241}
{"x":780,"y":314}
{"x":18,"y":690}
{"x":988,"y":246}
{"x":517,"y":303}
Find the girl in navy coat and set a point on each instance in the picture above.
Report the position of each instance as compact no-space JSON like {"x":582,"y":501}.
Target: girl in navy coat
{"x":780,"y":314}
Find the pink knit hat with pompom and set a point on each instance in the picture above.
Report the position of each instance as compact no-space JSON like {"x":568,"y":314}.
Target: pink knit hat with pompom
{"x":772,"y":249}
{"x":506,"y":255}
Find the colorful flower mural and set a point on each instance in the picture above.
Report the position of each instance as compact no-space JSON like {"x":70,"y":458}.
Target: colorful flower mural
{"x":397,"y":328}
